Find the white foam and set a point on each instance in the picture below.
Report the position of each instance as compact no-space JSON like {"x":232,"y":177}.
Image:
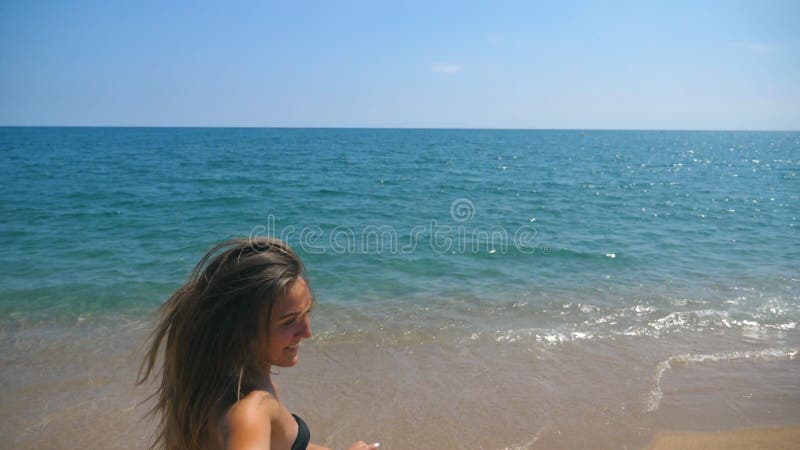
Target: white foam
{"x":671,"y":320}
{"x":559,"y":338}
{"x":553,"y":338}
{"x":656,"y":394}
{"x":528,"y":445}
{"x":580,"y":335}
{"x":507,"y":336}
{"x":783,"y":326}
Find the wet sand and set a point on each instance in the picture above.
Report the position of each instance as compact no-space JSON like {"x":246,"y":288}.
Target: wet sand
{"x":775,"y":438}
{"x":72,"y":387}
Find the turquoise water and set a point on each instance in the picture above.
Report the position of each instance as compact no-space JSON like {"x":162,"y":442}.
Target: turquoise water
{"x":548,"y":234}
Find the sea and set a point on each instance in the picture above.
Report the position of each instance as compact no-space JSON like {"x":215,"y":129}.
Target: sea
{"x":497,"y":289}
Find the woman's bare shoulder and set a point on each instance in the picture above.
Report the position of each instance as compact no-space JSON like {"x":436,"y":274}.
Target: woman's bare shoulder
{"x":258,"y":405}
{"x":248,"y":423}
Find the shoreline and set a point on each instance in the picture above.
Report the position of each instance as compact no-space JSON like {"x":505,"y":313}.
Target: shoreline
{"x":78,"y":382}
{"x":775,"y":437}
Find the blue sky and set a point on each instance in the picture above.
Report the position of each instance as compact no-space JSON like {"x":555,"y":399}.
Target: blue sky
{"x":630,"y":65}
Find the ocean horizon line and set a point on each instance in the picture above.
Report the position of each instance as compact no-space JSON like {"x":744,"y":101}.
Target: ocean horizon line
{"x":254,"y":127}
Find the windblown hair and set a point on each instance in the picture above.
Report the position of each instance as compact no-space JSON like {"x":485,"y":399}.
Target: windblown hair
{"x":209,"y":328}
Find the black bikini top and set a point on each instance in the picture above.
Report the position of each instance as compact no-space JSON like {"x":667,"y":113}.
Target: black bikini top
{"x":303,"y":435}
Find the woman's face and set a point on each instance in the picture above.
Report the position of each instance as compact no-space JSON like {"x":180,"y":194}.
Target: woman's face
{"x":290,"y":324}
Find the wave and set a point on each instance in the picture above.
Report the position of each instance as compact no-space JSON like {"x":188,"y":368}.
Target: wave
{"x":566,"y":253}
{"x":686,"y":359}
{"x":578,"y":322}
{"x":527,"y":445}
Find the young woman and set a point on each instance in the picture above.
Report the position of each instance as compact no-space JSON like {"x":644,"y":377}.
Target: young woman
{"x":244,"y":309}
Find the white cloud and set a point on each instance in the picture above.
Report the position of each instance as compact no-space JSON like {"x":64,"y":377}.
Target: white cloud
{"x":446,"y":68}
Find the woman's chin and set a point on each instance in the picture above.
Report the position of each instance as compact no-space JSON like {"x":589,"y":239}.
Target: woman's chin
{"x":290,"y":360}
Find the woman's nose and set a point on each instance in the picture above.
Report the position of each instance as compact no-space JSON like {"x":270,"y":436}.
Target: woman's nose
{"x":305,"y":327}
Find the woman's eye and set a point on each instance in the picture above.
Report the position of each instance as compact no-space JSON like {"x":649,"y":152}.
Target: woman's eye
{"x":297,"y":319}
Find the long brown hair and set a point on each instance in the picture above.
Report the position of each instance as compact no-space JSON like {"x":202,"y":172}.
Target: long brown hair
{"x":208,"y":329}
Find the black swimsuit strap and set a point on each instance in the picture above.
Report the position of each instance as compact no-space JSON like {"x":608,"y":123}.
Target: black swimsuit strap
{"x":303,"y":434}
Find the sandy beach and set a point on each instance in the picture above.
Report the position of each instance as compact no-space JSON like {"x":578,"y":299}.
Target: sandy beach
{"x":418,"y":394}
{"x":775,"y":438}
